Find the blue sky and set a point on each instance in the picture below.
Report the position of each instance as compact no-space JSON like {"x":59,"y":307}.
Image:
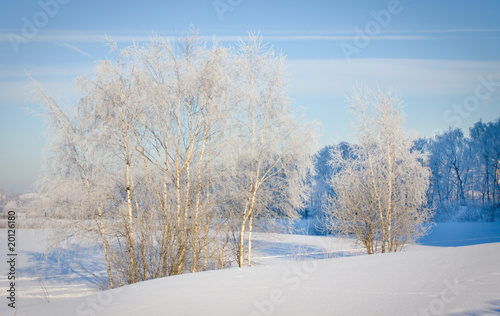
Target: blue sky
{"x":443,"y":57}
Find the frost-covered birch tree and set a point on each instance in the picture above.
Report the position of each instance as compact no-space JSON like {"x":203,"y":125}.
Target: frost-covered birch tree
{"x":170,"y":145}
{"x":380,"y":188}
{"x":272,"y":147}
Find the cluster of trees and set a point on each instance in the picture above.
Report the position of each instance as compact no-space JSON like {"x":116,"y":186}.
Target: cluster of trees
{"x":464,"y":173}
{"x":173,"y":154}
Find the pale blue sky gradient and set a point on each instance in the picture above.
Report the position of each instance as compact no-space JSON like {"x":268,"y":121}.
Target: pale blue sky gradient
{"x":436,"y":54}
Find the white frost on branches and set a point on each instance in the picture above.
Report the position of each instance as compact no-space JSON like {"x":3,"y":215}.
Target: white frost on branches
{"x":173,"y":152}
{"x":380,"y":187}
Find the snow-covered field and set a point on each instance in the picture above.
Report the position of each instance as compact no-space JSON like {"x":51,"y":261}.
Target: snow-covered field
{"x":453,"y":271}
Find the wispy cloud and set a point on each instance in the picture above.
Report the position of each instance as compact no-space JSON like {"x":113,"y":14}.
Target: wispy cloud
{"x":76,"y":49}
{"x":472,"y":30}
{"x":335,"y":77}
{"x":270,"y":34}
{"x":58,"y":80}
{"x":19,"y":73}
{"x":328,"y":37}
{"x":63,"y":36}
{"x":309,"y":77}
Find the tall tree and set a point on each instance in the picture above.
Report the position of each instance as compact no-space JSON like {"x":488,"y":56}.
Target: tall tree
{"x":273,"y":147}
{"x":380,"y":189}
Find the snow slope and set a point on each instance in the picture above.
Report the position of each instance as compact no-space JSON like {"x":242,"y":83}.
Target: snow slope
{"x":424,"y":280}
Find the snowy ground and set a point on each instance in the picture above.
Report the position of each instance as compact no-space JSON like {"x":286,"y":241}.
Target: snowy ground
{"x":454,"y":271}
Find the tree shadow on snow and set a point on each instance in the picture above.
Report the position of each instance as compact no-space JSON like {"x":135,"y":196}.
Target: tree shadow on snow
{"x":71,"y":266}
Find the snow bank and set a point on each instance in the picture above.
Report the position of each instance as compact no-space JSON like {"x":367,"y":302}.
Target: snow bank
{"x":422,"y":281}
